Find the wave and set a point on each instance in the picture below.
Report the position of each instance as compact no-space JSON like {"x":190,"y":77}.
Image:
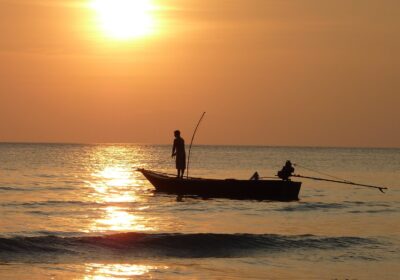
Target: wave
{"x":350,"y":207}
{"x":309,"y":206}
{"x":62,"y":203}
{"x":8,"y":189}
{"x":36,"y":188}
{"x":196,"y":245}
{"x":378,"y":211}
{"x":51,"y":203}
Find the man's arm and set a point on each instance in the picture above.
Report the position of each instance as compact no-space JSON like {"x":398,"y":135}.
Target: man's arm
{"x":173,"y":149}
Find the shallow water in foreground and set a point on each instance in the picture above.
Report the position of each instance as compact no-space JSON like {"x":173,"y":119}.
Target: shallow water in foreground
{"x":82,"y":212}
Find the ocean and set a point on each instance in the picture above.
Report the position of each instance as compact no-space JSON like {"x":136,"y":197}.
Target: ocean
{"x":81,"y":211}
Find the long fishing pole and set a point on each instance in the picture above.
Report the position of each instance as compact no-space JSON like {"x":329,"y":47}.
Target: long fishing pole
{"x":191,"y":142}
{"x":341,"y":182}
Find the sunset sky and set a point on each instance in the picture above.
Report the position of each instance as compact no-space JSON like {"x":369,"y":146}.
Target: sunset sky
{"x":267,"y":72}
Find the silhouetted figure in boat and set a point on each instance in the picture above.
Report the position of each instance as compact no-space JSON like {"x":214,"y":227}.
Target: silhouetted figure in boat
{"x":178,"y":151}
{"x":286,"y":171}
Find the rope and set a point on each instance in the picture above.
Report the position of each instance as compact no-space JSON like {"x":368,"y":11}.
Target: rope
{"x":322,"y":173}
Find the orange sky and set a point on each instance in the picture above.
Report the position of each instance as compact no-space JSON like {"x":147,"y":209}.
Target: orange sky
{"x":267,"y":72}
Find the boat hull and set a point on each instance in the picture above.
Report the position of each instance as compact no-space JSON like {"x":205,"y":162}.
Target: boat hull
{"x":224,"y":188}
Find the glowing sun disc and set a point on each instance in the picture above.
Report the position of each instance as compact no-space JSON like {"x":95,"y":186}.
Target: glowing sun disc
{"x":124,"y":19}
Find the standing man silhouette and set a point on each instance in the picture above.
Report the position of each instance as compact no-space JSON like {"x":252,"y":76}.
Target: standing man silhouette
{"x":178,"y":151}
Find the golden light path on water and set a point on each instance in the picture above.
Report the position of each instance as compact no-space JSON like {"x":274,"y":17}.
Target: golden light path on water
{"x":117,"y":187}
{"x":95,"y":271}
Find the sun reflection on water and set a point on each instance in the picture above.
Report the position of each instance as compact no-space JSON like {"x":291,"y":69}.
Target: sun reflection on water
{"x":116,"y":176}
{"x":115,"y":185}
{"x":119,"y":219}
{"x":96,"y":271}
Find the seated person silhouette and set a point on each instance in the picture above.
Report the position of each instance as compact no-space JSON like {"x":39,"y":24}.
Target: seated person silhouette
{"x":286,"y":171}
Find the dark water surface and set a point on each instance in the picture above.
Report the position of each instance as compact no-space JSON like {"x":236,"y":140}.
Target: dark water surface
{"x":82,"y":212}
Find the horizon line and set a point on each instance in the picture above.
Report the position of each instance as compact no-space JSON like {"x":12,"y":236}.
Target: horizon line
{"x":221,"y":145}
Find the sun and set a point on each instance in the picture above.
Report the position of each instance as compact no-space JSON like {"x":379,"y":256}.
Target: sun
{"x":124,"y":19}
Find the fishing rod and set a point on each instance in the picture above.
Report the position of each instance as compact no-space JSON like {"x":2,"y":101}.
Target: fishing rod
{"x":191,"y":142}
{"x":341,"y":182}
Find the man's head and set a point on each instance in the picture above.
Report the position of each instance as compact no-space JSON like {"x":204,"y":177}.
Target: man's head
{"x":177,"y":133}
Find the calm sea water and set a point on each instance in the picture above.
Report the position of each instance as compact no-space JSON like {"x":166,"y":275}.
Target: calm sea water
{"x":82,"y":212}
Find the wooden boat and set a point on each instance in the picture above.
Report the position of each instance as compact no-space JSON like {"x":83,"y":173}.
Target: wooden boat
{"x":275,"y":189}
